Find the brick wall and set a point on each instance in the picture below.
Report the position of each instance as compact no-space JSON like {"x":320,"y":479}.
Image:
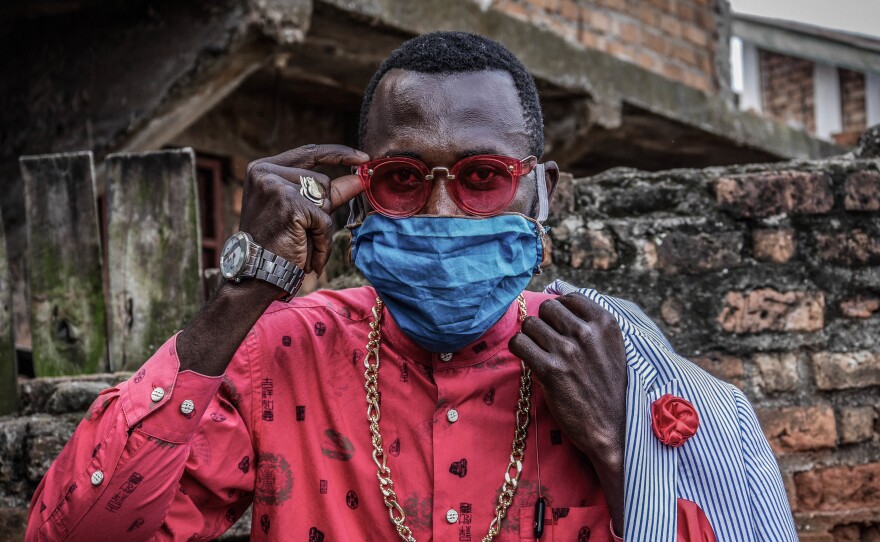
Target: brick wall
{"x":769,"y":278}
{"x":787,"y":89}
{"x":852,"y":101}
{"x":675,"y":38}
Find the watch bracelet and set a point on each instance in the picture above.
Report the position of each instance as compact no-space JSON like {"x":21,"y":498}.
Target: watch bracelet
{"x":280,"y":272}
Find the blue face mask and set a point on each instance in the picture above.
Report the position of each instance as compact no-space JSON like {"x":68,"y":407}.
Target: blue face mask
{"x":447,"y":280}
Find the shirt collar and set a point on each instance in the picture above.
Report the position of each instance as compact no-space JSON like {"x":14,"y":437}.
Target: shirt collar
{"x":479,"y":351}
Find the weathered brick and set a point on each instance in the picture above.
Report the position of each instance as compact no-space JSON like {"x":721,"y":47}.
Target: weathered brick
{"x":672,"y":310}
{"x":670,"y":25}
{"x":646,"y":255}
{"x":600,"y":21}
{"x":777,"y":246}
{"x":673,"y":71}
{"x":849,"y":248}
{"x":842,"y":370}
{"x":854,"y":532}
{"x":771,"y":193}
{"x":847,"y":533}
{"x":649,"y":16}
{"x":697,"y":36}
{"x":856,"y":424}
{"x":860,"y":307}
{"x":790,"y":491}
{"x":595,"y":248}
{"x":861,"y":191}
{"x":631,"y":33}
{"x":686,"y":11}
{"x":769,"y":310}
{"x":683,"y":253}
{"x":569,"y":9}
{"x":839,"y":488}
{"x":656,"y":42}
{"x":562,"y":203}
{"x":788,"y":89}
{"x":777,"y":371}
{"x":13,"y":522}
{"x":796,"y":429}
{"x":723,"y":366}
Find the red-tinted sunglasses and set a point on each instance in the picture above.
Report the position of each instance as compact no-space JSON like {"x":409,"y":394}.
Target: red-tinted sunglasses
{"x":482,"y":185}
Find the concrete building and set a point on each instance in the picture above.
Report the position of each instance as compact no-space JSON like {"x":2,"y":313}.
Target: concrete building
{"x":766,"y":275}
{"x":824,"y":81}
{"x":641,"y":84}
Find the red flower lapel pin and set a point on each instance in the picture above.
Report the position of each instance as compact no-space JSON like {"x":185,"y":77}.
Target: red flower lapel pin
{"x":674,"y":420}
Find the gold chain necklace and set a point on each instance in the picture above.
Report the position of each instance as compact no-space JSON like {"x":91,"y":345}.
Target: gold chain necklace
{"x":386,"y":485}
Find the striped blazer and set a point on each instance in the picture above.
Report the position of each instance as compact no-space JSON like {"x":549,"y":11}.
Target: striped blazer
{"x":727,"y":468}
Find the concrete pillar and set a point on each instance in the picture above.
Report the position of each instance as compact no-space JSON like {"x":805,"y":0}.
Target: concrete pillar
{"x":872,"y":98}
{"x":826,"y":85}
{"x":751,"y":79}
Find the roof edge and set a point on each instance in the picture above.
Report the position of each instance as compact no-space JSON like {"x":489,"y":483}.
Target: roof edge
{"x":605,"y":78}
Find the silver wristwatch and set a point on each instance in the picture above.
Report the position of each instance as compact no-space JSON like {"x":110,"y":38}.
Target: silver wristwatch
{"x":243,"y":258}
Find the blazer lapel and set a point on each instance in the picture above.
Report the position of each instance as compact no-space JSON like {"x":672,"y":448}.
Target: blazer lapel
{"x":651,"y":468}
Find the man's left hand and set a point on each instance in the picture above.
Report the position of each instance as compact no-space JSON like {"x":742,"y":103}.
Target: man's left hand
{"x":575,"y":349}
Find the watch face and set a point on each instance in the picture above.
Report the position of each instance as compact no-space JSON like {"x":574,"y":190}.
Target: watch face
{"x":234,"y":257}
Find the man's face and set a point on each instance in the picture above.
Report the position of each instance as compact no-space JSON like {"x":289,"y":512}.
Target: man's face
{"x":443,"y":118}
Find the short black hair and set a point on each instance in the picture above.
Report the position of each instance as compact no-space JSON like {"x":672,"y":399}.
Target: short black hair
{"x":457,"y":52}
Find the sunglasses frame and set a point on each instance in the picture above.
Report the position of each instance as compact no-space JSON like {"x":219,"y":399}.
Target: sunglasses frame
{"x":515,"y":167}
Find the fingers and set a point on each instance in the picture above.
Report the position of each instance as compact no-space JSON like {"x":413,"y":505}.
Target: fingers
{"x":309,"y":156}
{"x":585,"y":308}
{"x":281,"y":217}
{"x":568,"y":314}
{"x":560,"y":318}
{"x":541,"y":333}
{"x":342,"y":190}
{"x":337,"y":192}
{"x":523,"y":347}
{"x":290,"y":174}
{"x":321,"y":242}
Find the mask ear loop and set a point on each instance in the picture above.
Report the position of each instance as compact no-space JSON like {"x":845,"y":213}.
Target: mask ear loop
{"x":543,"y":197}
{"x":357,"y":211}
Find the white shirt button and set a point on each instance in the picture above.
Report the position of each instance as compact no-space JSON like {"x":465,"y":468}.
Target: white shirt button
{"x":452,"y":415}
{"x":187,"y":407}
{"x":157,"y":395}
{"x":446,"y":356}
{"x":451,"y":516}
{"x":97,"y":478}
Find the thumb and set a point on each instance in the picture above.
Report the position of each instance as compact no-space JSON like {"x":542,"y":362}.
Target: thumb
{"x":342,"y":190}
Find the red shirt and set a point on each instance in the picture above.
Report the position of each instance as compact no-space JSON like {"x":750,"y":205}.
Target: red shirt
{"x":286,"y":429}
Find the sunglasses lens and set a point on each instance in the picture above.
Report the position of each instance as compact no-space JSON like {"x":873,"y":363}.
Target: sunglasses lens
{"x":398,"y":188}
{"x":484,"y":186}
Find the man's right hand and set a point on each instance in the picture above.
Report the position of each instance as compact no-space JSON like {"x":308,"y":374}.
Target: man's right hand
{"x":282,"y":220}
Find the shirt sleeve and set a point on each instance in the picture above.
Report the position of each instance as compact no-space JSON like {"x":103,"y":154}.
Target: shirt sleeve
{"x":143,"y":461}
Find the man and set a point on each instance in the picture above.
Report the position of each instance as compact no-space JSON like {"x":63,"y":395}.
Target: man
{"x":268,"y":402}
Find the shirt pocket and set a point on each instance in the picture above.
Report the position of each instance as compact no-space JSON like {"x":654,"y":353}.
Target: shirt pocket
{"x":574,"y":524}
